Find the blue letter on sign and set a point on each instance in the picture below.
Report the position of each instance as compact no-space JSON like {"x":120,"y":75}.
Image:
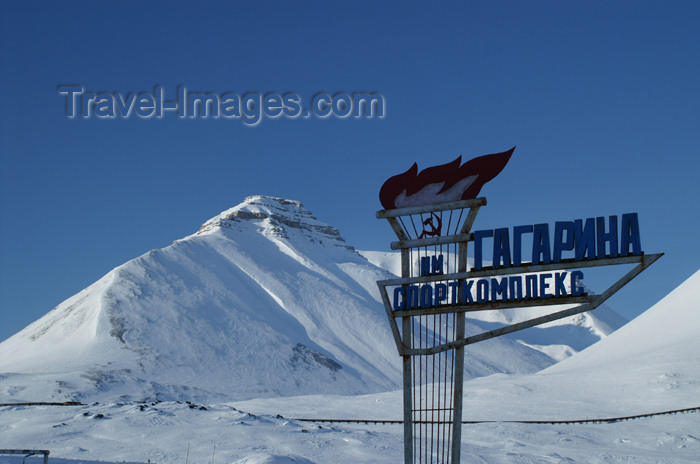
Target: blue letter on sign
{"x":501,"y":248}
{"x":610,"y":236}
{"x":584,"y":237}
{"x":499,"y":288}
{"x":399,"y":291}
{"x":540,"y":244}
{"x":478,"y":248}
{"x":559,"y":286}
{"x":482,"y":290}
{"x":440,"y":293}
{"x":630,"y":235}
{"x":576,"y":284}
{"x":559,"y":243}
{"x":518,"y":231}
{"x":426,"y":296}
{"x":467,"y":292}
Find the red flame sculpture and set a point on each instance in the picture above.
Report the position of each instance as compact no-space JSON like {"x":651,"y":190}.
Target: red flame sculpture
{"x":447,"y":182}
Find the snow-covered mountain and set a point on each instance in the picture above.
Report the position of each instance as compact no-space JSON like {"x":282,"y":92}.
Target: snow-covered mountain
{"x":264,"y":300}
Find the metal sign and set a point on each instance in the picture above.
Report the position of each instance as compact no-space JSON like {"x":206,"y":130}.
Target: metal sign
{"x":432,"y":213}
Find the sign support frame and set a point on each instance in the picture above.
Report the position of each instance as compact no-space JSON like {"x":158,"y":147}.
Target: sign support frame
{"x":405,"y":336}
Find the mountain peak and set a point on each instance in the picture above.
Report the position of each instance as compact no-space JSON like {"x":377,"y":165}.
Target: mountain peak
{"x":271,"y":201}
{"x":274,"y":216}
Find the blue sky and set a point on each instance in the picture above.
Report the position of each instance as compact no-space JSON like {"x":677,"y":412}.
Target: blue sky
{"x":601,"y":99}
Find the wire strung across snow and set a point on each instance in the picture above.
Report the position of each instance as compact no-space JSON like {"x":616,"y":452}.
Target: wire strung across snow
{"x":388,"y":421}
{"x":554,"y":422}
{"x":44,"y":403}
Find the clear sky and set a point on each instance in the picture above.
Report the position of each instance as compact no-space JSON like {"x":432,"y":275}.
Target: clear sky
{"x":601,"y":99}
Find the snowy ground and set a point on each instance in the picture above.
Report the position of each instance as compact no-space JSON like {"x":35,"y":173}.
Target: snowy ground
{"x":164,"y":432}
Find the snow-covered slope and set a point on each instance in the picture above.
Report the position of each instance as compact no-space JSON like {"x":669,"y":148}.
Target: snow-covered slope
{"x":650,"y":364}
{"x":661,"y":336}
{"x":264,"y":300}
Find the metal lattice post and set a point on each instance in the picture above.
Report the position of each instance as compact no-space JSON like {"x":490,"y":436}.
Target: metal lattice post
{"x":459,"y":351}
{"x":458,"y":391}
{"x":407,"y":335}
{"x":432,"y":376}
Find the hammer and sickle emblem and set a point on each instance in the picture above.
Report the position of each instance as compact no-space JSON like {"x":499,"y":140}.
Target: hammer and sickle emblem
{"x":435,"y":227}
